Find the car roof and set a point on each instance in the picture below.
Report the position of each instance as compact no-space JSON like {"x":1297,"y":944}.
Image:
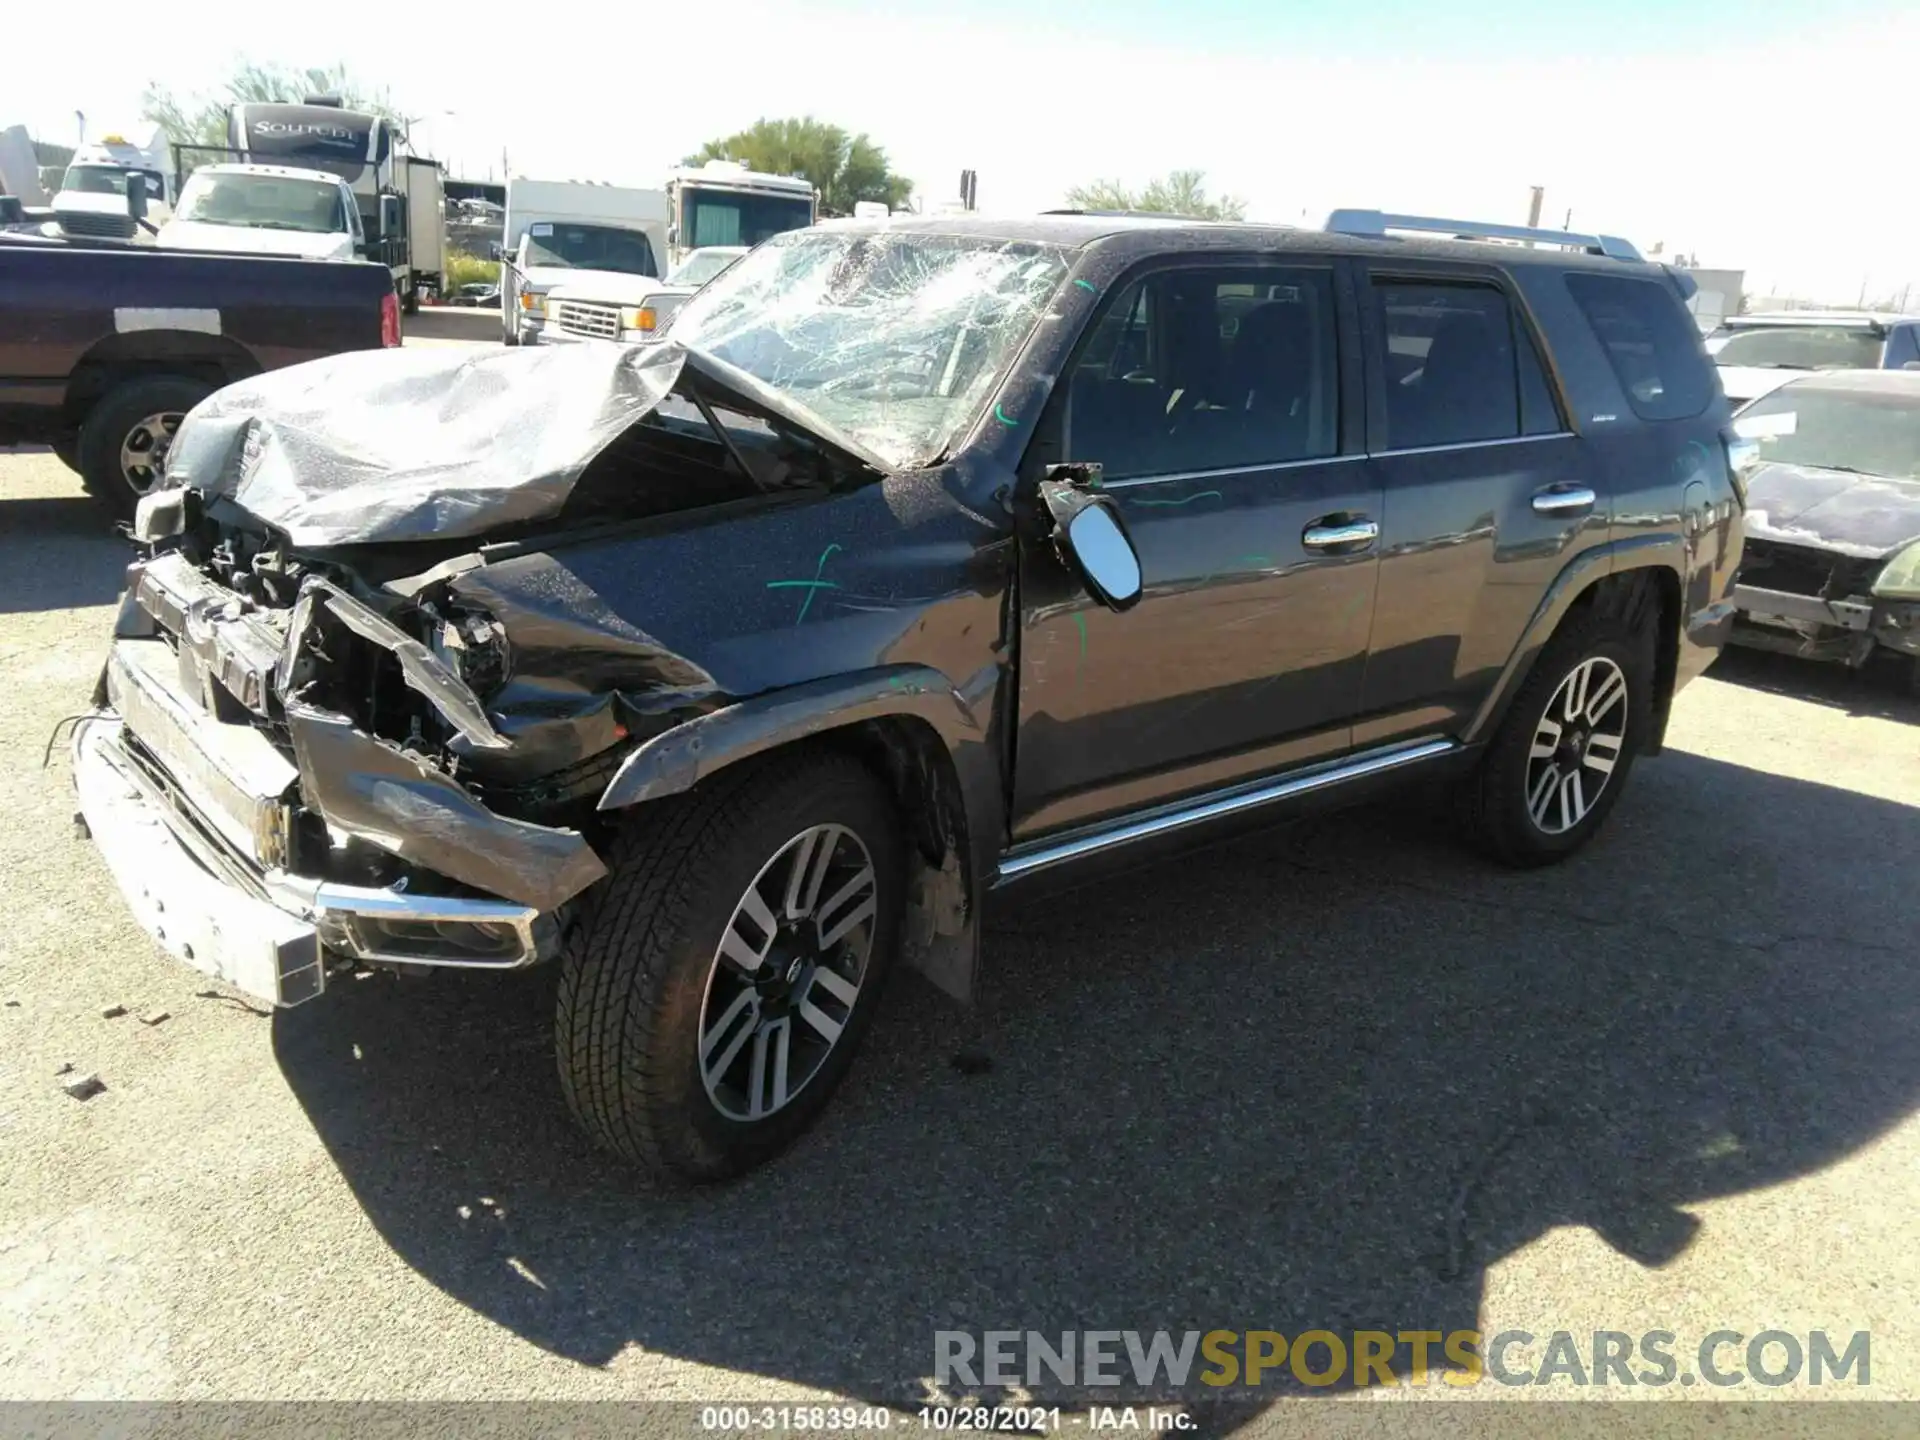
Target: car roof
{"x":1149,"y":234}
{"x":1873,"y":382}
{"x":1864,"y":319}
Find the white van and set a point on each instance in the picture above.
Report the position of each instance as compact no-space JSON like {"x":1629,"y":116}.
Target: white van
{"x":266,"y":210}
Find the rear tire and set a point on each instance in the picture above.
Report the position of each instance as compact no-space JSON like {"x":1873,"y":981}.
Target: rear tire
{"x":1561,"y":757}
{"x":125,"y":437}
{"x":679,"y":1050}
{"x":67,"y":451}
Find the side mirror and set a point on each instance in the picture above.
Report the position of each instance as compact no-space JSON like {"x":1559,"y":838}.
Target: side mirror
{"x":137,"y":199}
{"x":1091,"y":538}
{"x":494,"y":252}
{"x":389,"y":216}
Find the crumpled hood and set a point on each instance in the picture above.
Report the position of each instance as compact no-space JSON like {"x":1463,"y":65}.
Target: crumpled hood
{"x":1864,"y":515}
{"x":377,"y":446}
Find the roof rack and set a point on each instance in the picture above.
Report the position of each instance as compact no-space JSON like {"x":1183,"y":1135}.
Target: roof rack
{"x":1377,"y":222}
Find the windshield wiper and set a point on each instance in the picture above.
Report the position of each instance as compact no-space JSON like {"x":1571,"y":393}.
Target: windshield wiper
{"x":1767,"y":365}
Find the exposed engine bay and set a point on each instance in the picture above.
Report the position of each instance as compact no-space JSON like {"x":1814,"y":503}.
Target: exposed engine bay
{"x":447,"y":712}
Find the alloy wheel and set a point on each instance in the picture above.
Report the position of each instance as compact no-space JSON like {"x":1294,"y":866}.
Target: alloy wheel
{"x":143,"y":451}
{"x":1576,"y":745}
{"x":787,"y":972}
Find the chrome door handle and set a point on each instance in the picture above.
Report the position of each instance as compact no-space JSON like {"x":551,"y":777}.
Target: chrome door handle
{"x":1564,"y":500}
{"x":1348,"y":535}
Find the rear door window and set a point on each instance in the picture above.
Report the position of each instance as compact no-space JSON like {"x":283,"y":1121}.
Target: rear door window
{"x":1451,"y":377}
{"x":1651,"y":342}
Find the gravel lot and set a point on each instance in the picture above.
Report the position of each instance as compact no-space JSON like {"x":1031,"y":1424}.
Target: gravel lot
{"x":1345,"y":1076}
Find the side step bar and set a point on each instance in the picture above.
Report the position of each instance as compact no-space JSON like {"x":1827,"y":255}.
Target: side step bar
{"x":1025,"y":860}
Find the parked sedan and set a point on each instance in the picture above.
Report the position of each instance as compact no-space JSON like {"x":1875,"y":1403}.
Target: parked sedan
{"x":1759,"y":353}
{"x":1832,"y":565}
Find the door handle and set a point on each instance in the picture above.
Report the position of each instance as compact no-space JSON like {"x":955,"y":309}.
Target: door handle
{"x":1355,"y":534}
{"x":1564,"y":500}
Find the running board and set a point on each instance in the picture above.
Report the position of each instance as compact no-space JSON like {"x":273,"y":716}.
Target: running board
{"x":1202,"y":811}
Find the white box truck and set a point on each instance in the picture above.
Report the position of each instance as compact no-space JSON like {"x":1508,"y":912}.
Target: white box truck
{"x":564,"y":230}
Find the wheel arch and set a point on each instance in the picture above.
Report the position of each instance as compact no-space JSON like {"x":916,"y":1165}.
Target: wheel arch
{"x":918,"y":735}
{"x":116,"y":359}
{"x":1636,"y":579}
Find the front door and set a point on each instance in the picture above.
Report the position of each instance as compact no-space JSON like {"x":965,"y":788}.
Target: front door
{"x":1221,"y":399}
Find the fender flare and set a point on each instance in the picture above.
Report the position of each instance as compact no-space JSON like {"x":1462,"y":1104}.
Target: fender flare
{"x":1659,"y":549}
{"x":678,"y":759}
{"x":946,"y":947}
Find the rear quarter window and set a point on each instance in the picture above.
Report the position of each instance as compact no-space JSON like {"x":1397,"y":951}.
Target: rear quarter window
{"x":1651,"y":342}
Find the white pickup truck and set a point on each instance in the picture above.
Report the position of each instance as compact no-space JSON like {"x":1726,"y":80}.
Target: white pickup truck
{"x":266,"y":210}
{"x":630,"y":308}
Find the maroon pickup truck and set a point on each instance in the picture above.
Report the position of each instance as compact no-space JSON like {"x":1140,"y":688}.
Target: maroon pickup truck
{"x":104,"y":347}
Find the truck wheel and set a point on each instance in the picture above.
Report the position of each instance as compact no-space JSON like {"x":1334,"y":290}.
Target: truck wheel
{"x":1560,"y":759}
{"x":125,"y":437}
{"x":410,"y":305}
{"x":67,"y":450}
{"x":731,"y":964}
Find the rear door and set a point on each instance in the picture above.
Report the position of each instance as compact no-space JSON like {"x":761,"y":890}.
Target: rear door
{"x":1222,"y":399}
{"x":1486,"y":491}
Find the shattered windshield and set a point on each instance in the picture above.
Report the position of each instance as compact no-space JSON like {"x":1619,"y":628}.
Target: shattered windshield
{"x":896,"y":339}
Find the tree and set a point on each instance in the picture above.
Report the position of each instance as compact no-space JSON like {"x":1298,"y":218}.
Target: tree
{"x":844,"y":168}
{"x":202,"y":119}
{"x":1180,"y":192}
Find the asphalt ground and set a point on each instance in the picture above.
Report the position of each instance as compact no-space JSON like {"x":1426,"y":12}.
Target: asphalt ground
{"x":1343,"y":1076}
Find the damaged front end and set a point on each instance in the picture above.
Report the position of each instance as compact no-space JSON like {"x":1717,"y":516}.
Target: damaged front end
{"x":285,"y":788}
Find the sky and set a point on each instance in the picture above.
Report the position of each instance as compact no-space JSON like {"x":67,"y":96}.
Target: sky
{"x":1753,"y":134}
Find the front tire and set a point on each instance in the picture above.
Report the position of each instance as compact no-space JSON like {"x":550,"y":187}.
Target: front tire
{"x":731,"y":964}
{"x":1560,"y":759}
{"x":125,"y":437}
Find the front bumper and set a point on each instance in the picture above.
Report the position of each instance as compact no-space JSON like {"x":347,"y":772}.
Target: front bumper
{"x":1814,"y":628}
{"x":270,"y":933}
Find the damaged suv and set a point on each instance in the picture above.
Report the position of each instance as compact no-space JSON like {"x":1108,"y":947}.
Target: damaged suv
{"x":927,"y":561}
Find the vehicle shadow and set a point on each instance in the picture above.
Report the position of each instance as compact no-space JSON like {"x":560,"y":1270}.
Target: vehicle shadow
{"x":58,"y":552}
{"x":1879,"y":691}
{"x":1320,"y":1079}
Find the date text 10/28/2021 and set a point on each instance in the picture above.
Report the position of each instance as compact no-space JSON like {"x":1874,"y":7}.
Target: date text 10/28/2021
{"x":1000,"y":1419}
